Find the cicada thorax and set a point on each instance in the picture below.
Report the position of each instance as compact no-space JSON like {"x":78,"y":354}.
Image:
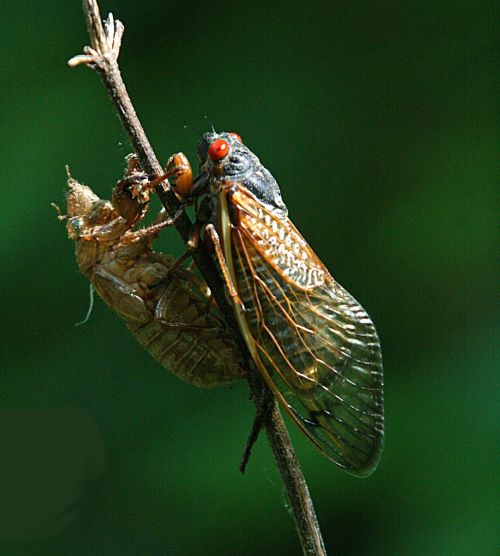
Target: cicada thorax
{"x":314,"y":344}
{"x":167,"y":312}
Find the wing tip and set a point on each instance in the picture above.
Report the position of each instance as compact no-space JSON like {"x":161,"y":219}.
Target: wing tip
{"x":370,"y":465}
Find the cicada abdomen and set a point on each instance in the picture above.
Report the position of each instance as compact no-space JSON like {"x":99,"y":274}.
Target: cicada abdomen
{"x":314,"y":344}
{"x":168,"y":313}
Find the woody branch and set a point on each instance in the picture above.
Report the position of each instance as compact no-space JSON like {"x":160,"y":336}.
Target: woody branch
{"x":102,"y":56}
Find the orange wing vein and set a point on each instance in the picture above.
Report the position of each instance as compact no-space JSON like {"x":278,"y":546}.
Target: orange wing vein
{"x":315,"y":345}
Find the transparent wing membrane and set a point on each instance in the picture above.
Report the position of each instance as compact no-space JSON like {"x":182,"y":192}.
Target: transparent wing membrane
{"x":315,"y":345}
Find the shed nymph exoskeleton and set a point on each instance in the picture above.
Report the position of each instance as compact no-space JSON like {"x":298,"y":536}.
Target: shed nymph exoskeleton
{"x":165,"y":307}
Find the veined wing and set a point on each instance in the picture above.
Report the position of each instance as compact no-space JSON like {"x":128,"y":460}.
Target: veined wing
{"x":315,"y":345}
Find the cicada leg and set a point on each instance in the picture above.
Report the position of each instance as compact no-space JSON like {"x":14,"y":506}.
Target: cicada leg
{"x":175,"y":269}
{"x":168,"y":305}
{"x":213,"y":236}
{"x":264,"y":406}
{"x":131,"y":196}
{"x":187,"y":275}
{"x":200,"y":284}
{"x":150,"y":231}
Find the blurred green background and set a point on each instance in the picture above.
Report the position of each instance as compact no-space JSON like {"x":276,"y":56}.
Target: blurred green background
{"x":378,"y":121}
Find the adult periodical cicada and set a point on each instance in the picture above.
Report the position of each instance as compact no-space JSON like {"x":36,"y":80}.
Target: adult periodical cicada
{"x":314,"y":344}
{"x":165,"y":307}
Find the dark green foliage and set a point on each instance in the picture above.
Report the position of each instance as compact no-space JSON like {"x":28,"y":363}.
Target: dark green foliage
{"x":377,"y":120}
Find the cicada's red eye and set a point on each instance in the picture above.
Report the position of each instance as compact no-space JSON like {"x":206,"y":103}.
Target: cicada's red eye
{"x":236,"y":136}
{"x":218,"y":149}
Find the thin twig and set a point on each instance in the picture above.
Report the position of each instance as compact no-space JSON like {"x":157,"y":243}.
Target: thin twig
{"x":102,"y":57}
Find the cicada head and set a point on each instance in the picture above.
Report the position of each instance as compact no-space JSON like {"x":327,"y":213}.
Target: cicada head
{"x":226,"y":160}
{"x":85,"y":209}
{"x":80,"y":198}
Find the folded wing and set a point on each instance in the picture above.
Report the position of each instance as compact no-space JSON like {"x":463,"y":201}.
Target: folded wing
{"x":313,"y":342}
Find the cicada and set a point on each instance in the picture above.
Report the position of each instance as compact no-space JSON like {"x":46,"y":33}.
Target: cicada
{"x":313,"y":343}
{"x":166,"y":308}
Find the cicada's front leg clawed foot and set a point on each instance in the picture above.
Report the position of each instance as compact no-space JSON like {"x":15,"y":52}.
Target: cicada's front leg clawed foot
{"x":106,"y":41}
